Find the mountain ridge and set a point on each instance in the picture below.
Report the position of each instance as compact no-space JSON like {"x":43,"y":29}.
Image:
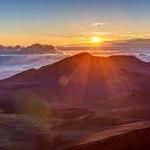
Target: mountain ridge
{"x":84,"y":80}
{"x":82,"y":56}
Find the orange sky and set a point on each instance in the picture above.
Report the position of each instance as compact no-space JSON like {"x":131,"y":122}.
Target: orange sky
{"x":72,"y":22}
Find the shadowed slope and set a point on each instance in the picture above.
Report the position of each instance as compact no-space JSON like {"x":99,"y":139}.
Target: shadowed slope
{"x":133,"y":136}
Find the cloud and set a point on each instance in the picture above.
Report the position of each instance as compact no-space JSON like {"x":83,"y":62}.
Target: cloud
{"x":98,"y":24}
{"x":101,"y":33}
{"x":91,"y":26}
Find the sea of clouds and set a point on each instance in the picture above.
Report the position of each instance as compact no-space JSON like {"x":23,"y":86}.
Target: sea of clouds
{"x":12,"y":64}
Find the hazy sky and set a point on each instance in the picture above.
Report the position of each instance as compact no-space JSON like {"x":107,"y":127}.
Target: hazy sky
{"x":72,"y":21}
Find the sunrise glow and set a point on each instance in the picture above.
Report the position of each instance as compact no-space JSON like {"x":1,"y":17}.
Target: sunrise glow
{"x":72,"y":22}
{"x":96,"y":39}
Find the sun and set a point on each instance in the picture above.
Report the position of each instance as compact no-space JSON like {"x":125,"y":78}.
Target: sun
{"x":96,"y":39}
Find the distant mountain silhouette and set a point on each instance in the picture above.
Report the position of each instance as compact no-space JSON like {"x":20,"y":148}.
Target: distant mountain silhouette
{"x":38,"y":49}
{"x":32,"y":49}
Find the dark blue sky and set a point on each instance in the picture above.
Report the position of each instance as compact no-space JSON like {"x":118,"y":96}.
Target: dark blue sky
{"x":61,"y":18}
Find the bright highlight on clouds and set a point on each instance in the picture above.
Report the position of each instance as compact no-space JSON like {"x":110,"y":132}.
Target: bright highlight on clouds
{"x":100,"y":24}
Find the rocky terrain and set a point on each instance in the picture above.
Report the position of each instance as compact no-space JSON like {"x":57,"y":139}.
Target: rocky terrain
{"x":133,"y":136}
{"x":83,"y":101}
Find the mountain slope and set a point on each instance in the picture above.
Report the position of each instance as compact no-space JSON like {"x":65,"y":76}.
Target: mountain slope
{"x":80,"y":96}
{"x":133,"y":136}
{"x":100,"y":83}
